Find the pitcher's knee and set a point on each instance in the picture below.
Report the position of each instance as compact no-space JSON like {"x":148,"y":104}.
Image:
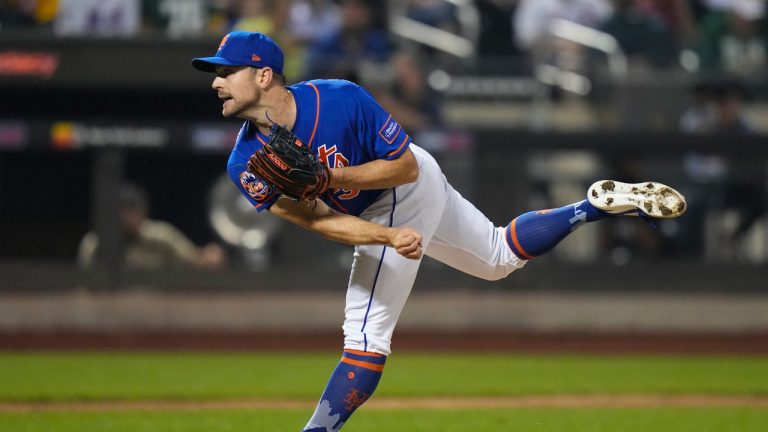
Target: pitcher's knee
{"x":501,"y":271}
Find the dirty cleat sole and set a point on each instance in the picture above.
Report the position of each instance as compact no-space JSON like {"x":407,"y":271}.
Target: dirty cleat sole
{"x":650,"y":199}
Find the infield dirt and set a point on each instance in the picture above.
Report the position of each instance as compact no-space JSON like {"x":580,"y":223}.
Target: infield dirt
{"x":448,"y":403}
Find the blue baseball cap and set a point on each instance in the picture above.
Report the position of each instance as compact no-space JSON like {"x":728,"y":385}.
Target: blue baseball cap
{"x":243,"y":49}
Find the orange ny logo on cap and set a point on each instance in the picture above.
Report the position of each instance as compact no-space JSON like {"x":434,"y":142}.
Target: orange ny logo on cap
{"x":255,"y":57}
{"x":223,"y":41}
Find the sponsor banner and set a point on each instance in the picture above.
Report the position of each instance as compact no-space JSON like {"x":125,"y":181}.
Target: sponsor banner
{"x":71,"y":136}
{"x":86,"y":62}
{"x":28,"y":64}
{"x":13,"y":135}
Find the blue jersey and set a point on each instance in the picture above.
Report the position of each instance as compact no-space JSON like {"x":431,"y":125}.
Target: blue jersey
{"x":344,"y":126}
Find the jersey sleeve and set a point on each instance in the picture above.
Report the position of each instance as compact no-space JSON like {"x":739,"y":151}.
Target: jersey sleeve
{"x":259,"y":193}
{"x":380,"y":133}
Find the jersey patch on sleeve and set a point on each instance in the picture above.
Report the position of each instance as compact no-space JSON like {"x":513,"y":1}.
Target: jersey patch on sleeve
{"x":390,"y":130}
{"x":257,"y":189}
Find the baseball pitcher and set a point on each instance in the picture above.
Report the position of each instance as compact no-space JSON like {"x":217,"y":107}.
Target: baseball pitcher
{"x":324,"y":155}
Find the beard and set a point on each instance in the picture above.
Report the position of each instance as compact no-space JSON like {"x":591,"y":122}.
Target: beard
{"x":238,"y":107}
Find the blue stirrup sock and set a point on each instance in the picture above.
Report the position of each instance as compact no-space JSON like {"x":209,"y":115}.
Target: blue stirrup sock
{"x":537,"y":232}
{"x":351,"y":384}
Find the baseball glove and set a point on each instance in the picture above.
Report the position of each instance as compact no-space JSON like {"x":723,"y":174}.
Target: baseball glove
{"x":290,"y":166}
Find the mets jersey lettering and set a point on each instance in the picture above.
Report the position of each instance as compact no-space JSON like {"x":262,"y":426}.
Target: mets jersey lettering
{"x":334,"y":159}
{"x":342,"y":123}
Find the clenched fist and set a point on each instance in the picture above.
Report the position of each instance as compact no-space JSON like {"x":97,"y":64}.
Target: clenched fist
{"x":406,"y":241}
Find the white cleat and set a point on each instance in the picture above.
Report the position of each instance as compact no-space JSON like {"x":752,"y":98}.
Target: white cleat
{"x":637,"y":199}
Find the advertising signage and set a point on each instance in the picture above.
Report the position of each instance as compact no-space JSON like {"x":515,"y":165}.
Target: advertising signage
{"x":80,"y":134}
{"x":95,"y":63}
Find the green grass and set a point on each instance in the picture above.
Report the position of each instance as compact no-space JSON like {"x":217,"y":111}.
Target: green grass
{"x":28,"y":377}
{"x":135,"y":376}
{"x":519,"y":420}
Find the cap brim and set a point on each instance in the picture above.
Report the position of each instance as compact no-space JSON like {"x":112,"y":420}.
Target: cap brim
{"x":208,"y":64}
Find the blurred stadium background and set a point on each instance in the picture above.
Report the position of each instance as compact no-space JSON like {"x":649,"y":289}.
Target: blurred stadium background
{"x":524,"y":102}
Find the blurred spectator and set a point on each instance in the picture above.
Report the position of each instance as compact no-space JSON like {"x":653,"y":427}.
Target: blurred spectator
{"x":439,"y":15}
{"x":265,"y":16}
{"x":642,"y":35}
{"x":678,"y":16}
{"x":408,"y":97}
{"x":723,"y":188}
{"x":103,"y":18}
{"x":177,"y":18}
{"x":533,"y":17}
{"x":717,"y":5}
{"x":532,"y":23}
{"x":731,"y":114}
{"x":734,"y":38}
{"x":45,"y":11}
{"x":150,"y":244}
{"x":497,"y":36}
{"x":271,"y":17}
{"x":434,"y":13}
{"x":362,"y":37}
{"x":698,"y":117}
{"x":718,"y":108}
{"x":311,"y":20}
{"x":307,"y":22}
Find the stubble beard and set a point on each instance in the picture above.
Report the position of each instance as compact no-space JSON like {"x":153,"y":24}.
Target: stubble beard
{"x":239,"y":110}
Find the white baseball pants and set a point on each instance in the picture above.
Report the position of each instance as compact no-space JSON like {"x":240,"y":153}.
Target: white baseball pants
{"x":454,"y":232}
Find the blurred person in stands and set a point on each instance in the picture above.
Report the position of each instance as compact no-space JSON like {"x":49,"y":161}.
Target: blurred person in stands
{"x":533,"y":18}
{"x":434,"y":13}
{"x":265,"y":16}
{"x":308,"y":22}
{"x":151,"y":244}
{"x":103,"y":18}
{"x":497,"y":34}
{"x":678,"y":16}
{"x":721,"y":185}
{"x":271,"y":17}
{"x":719,"y":108}
{"x":311,"y":20}
{"x":699,"y":115}
{"x":407,"y":96}
{"x":643,"y":36}
{"x":733,"y":37}
{"x":362,"y":36}
{"x":178,"y":18}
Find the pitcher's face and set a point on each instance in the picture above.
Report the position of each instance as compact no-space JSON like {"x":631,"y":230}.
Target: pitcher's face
{"x":238,"y":89}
